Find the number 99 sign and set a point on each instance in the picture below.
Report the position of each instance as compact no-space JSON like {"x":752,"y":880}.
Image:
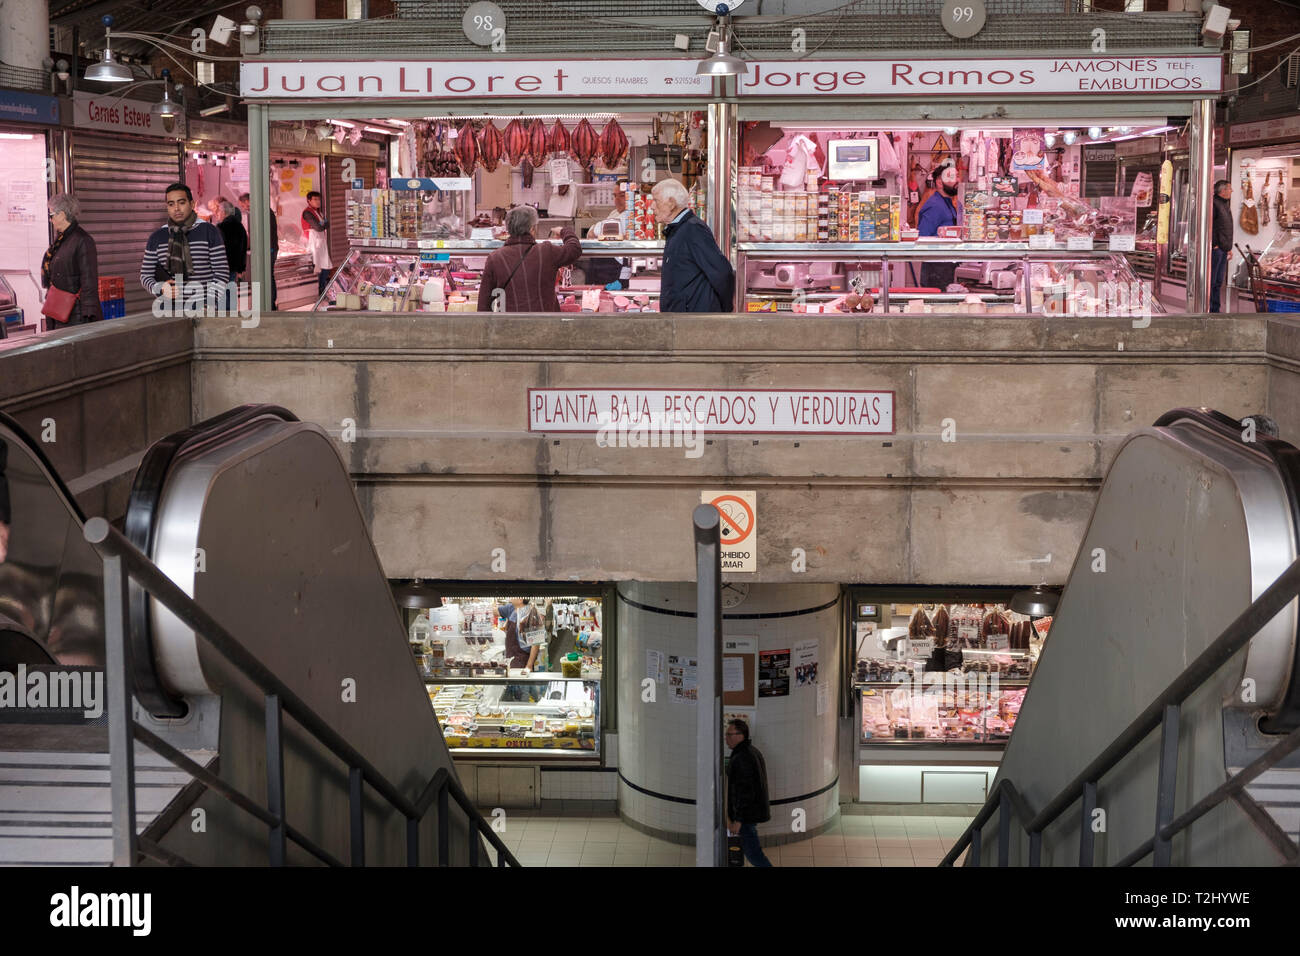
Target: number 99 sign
{"x":963,"y":18}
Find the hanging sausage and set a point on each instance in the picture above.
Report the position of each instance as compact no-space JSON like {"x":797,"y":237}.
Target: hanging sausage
{"x":466,"y":148}
{"x":491,"y":147}
{"x":537,"y":147}
{"x":613,"y":144}
{"x":515,"y":140}
{"x":558,"y":139}
{"x":584,"y":144}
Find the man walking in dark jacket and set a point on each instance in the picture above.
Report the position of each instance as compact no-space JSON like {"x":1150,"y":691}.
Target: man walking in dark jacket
{"x":747,"y":802}
{"x":1221,"y":249}
{"x":696,"y":277}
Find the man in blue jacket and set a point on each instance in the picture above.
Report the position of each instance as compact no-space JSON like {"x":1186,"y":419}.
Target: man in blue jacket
{"x":696,"y":277}
{"x":937,"y":211}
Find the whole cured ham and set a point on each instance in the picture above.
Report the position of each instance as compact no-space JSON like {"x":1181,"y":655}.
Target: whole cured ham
{"x":526,"y":173}
{"x":557,"y":141}
{"x":491,"y":147}
{"x":584,"y":144}
{"x":515,"y":139}
{"x":536,"y":142}
{"x":612,"y":144}
{"x":466,"y":148}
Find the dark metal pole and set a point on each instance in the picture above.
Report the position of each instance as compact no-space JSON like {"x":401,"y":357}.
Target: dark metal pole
{"x":356,"y":793}
{"x":1004,"y":830}
{"x":1166,"y":785}
{"x":710,"y":844}
{"x":1086,"y":836}
{"x":275,"y":776}
{"x":121,"y":740}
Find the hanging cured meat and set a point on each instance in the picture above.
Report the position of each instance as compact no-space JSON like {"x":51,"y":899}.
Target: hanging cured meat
{"x":515,"y":138}
{"x":557,"y":141}
{"x":491,"y":147}
{"x":536,"y":142}
{"x":526,"y":173}
{"x":584,"y":144}
{"x":466,"y":148}
{"x":612,"y":144}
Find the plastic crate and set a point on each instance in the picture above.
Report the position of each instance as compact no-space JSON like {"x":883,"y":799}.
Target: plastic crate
{"x":1282,"y":305}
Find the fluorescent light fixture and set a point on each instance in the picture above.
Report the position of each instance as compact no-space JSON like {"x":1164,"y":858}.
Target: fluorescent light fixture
{"x":214,"y":110}
{"x":343,"y":123}
{"x":388,"y":132}
{"x":16,"y":135}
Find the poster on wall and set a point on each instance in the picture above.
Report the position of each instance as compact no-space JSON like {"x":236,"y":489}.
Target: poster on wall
{"x":1028,"y":149}
{"x":805,"y":664}
{"x":683,"y":679}
{"x":654,"y":666}
{"x":739,"y":681}
{"x":774,"y":673}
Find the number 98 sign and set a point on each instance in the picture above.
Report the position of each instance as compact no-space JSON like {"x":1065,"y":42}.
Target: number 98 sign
{"x":963,"y":18}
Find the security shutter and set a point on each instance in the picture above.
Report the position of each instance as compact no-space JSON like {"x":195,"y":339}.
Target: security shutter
{"x":120,"y":181}
{"x":336,"y":201}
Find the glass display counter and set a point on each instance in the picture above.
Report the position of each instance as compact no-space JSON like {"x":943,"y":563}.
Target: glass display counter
{"x":1280,"y":264}
{"x":541,"y":713}
{"x":1004,"y":278}
{"x":423,"y":275}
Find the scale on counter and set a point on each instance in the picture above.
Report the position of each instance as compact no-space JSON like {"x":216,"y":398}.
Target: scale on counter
{"x":799,"y":275}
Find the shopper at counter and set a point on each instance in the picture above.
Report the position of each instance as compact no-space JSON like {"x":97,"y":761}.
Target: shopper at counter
{"x":1221,"y":249}
{"x":236,"y":242}
{"x":520,"y":276}
{"x":747,"y":798}
{"x":696,"y":277}
{"x":245,"y":203}
{"x":187,"y":247}
{"x":938,"y":211}
{"x":71,"y":263}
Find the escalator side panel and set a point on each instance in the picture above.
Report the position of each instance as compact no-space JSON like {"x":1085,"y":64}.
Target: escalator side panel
{"x":1178,"y":525}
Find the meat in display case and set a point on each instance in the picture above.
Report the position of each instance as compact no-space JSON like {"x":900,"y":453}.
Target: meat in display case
{"x":944,"y":674}
{"x":1280,"y":263}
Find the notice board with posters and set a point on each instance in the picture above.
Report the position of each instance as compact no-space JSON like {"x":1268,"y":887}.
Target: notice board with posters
{"x":739,"y":671}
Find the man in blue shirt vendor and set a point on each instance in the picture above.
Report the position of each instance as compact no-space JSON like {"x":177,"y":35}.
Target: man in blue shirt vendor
{"x":939,"y":210}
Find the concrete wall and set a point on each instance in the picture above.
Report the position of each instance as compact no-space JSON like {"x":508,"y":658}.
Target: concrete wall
{"x":112,"y":389}
{"x":448,"y":472}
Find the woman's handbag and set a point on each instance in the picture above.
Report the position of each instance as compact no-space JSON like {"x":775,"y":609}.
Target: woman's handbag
{"x":59,"y":304}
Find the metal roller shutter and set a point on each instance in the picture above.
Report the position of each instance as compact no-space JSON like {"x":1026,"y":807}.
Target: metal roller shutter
{"x":120,"y":181}
{"x":336,"y":201}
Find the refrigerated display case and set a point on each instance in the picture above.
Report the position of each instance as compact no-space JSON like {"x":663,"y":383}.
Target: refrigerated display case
{"x":541,"y":713}
{"x":1280,"y":264}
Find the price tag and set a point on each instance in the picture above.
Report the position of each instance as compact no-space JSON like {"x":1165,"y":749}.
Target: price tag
{"x":1042,"y":241}
{"x":561,"y":174}
{"x":963,"y":18}
{"x":921,"y":647}
{"x":1033,"y":217}
{"x":1079,"y":243}
{"x":1122,"y":243}
{"x":999,"y":642}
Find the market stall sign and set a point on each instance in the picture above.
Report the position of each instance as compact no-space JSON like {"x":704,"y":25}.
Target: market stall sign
{"x":470,"y":79}
{"x":1283,"y":128}
{"x":1196,"y":74}
{"x":424,"y":184}
{"x":660,"y":413}
{"x":28,"y":107}
{"x":117,"y":115}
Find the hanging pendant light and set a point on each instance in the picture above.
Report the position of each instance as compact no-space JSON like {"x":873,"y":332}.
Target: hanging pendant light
{"x":1038,"y":601}
{"x":722,"y":63}
{"x":108,"y":70}
{"x":166,"y":108}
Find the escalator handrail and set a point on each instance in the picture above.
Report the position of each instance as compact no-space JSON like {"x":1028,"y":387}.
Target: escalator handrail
{"x":141,"y":528}
{"x":1285,"y":457}
{"x":34,"y":449}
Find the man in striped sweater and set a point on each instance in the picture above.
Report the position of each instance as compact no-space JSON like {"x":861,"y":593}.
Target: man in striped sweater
{"x":188,"y":249}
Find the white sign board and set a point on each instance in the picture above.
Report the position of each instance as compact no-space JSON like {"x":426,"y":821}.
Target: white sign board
{"x":1194,"y":75}
{"x":489,"y":77}
{"x":739,"y":532}
{"x":660,"y":411}
{"x":116,"y":115}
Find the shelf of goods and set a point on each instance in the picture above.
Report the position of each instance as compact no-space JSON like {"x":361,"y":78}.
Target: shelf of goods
{"x":955,"y":711}
{"x":999,"y":276}
{"x":435,"y":275}
{"x":475,"y":715}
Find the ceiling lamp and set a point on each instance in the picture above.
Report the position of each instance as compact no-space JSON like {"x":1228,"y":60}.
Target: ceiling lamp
{"x":722,"y":63}
{"x":108,"y":70}
{"x":1094,"y":132}
{"x":1069,"y":136}
{"x":1049,"y":139}
{"x":1039,"y":601}
{"x":166,"y":108}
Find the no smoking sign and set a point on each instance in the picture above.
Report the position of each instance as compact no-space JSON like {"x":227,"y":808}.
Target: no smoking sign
{"x":739,"y":513}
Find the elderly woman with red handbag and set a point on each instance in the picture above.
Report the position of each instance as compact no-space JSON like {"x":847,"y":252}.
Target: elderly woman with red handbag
{"x":70,"y":269}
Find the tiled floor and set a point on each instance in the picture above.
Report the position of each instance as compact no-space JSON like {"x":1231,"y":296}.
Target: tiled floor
{"x":547,"y":839}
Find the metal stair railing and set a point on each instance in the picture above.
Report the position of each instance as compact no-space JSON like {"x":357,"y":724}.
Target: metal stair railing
{"x":1163,"y":712}
{"x":123,"y":563}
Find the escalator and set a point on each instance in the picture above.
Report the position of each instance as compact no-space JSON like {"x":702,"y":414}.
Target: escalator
{"x":1197,"y":516}
{"x":253,"y":515}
